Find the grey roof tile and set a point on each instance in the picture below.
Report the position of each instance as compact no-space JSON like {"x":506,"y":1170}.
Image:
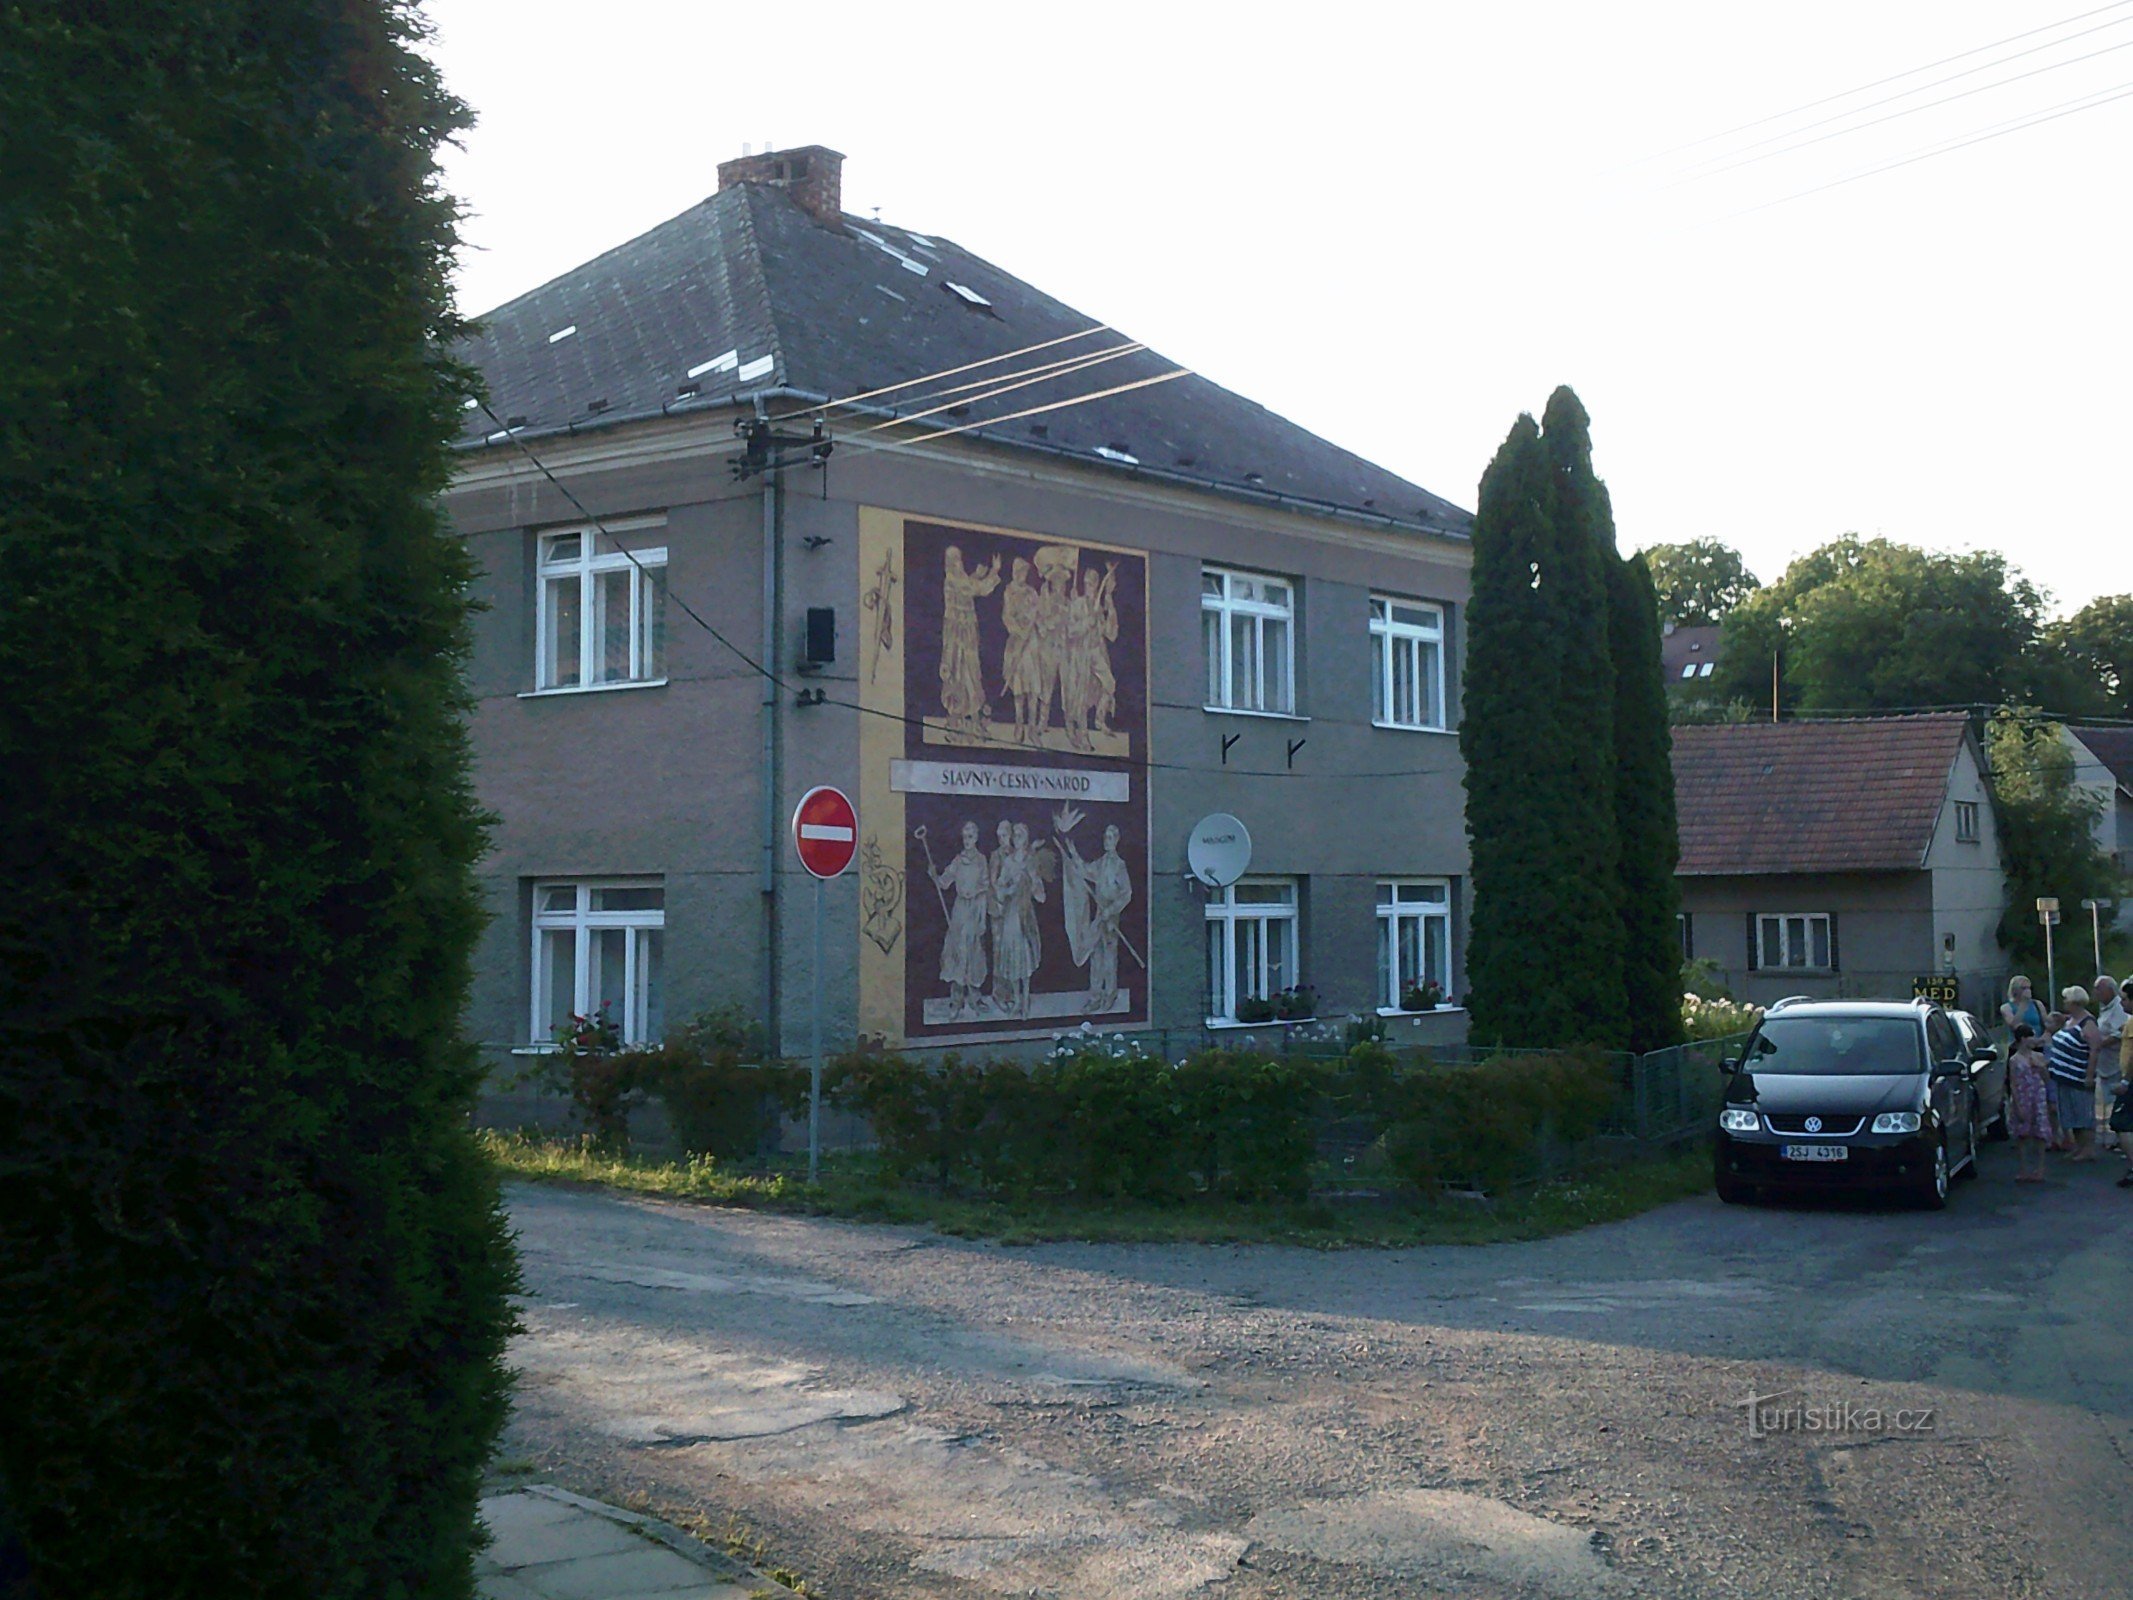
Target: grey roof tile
{"x":749,"y":270}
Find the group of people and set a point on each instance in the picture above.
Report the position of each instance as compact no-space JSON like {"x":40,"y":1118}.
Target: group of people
{"x":1059,"y":629}
{"x":2067,"y":1072}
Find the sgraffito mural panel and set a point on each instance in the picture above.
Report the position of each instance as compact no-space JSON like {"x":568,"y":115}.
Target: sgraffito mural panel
{"x":1004,"y":806}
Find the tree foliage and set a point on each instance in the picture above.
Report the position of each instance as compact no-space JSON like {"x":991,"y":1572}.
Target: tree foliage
{"x":2046,"y":825}
{"x":253,"y":1271}
{"x":1698,"y":583}
{"x":2093,"y":649}
{"x":1569,"y":785}
{"x":1871,"y":625}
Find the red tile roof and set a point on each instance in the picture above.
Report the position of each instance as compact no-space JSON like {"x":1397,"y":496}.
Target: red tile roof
{"x":1860,"y":795}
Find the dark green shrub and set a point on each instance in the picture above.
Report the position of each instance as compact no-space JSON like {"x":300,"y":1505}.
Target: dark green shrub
{"x":1248,"y":1122}
{"x":1114,"y":1126}
{"x":1492,"y":1125}
{"x":721,"y":1098}
{"x":254,"y":1275}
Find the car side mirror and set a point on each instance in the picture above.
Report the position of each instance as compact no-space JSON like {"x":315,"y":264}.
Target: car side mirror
{"x":1951,"y":1069}
{"x":1984,"y":1057}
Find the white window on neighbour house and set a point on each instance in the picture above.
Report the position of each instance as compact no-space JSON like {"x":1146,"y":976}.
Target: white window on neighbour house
{"x":597,"y":954}
{"x":1799,"y":941}
{"x":1966,"y":813}
{"x":1251,"y":944}
{"x":1407,"y":640}
{"x":1414,"y":939}
{"x":1248,"y":628}
{"x":601,"y":610}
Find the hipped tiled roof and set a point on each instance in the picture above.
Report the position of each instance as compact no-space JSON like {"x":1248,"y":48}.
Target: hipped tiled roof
{"x":746,"y":291}
{"x":1859,"y":795}
{"x":2113,"y":747}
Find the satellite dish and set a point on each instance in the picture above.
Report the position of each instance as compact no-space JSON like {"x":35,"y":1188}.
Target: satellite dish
{"x":1219,"y":850}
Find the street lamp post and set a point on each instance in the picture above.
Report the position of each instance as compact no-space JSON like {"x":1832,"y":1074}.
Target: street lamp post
{"x":2095,"y":910}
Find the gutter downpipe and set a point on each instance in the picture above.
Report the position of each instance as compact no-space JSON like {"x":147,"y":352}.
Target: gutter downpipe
{"x":769,"y":754}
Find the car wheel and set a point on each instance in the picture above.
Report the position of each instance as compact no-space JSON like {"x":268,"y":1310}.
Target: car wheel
{"x":1732,"y":1191}
{"x":1933,"y":1193}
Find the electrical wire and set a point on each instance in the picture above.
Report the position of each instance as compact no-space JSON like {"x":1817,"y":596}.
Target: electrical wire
{"x":1141,"y":764}
{"x":1997,"y":130}
{"x":1846,"y":94}
{"x":945,"y":372}
{"x":1063,"y":370}
{"x":1908,"y":111}
{"x":1031,"y":411}
{"x":1065,"y":363}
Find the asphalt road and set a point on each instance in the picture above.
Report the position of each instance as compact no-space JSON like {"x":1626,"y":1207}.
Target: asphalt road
{"x":899,"y":1414}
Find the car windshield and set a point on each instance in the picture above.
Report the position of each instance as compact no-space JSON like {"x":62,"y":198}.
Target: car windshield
{"x":1835,"y":1046}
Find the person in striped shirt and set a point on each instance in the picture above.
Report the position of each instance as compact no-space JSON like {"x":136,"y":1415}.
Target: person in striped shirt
{"x":2070,"y":1059}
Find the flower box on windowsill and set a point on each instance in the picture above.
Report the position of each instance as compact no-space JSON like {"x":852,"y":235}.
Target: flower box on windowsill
{"x":1231,"y":1025}
{"x":1438,"y":1009}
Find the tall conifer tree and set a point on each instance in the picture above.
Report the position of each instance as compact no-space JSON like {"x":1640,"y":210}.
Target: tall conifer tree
{"x":1644,"y":810}
{"x":1505,"y":721}
{"x":1584,"y":971}
{"x":253,"y":1273}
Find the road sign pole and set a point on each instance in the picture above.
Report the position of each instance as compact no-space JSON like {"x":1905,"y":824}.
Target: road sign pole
{"x":814,"y":1076}
{"x":2051,"y":972}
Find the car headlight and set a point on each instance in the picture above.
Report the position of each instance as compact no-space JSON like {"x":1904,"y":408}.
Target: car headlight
{"x":1896,"y":1122}
{"x":1734,"y":1120}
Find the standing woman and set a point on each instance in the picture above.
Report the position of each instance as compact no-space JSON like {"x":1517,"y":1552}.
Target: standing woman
{"x":2021,"y":1009}
{"x":2070,"y":1060}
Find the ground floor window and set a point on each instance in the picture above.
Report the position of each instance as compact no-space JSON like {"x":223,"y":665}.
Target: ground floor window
{"x":1414,"y":942}
{"x":596,"y":954}
{"x":1252,"y":951}
{"x":1801,"y":941}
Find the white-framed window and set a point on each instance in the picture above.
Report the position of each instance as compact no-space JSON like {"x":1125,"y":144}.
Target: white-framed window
{"x":601,"y":608}
{"x":1414,"y":937}
{"x":1248,"y":623}
{"x":1689,"y":671}
{"x":596,"y":950}
{"x":1966,"y":819}
{"x":1798,"y":940}
{"x":1407,"y":640}
{"x":1251,"y":944}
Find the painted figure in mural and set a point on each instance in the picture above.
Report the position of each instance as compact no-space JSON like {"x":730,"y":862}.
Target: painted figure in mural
{"x":1002,"y":994}
{"x":1017,"y":890}
{"x":1077,"y":676}
{"x":1055,"y":566}
{"x":1103,"y":633}
{"x":1019,"y":604}
{"x":963,"y":948}
{"x":1095,"y":895}
{"x":962,"y":679}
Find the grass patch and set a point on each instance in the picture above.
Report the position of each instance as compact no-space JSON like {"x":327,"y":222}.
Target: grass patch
{"x":849,"y":1188}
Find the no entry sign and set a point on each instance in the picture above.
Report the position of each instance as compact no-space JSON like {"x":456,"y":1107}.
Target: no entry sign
{"x":825,"y":831}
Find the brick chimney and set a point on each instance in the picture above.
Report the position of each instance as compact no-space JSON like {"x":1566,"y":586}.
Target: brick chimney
{"x":812,"y":173}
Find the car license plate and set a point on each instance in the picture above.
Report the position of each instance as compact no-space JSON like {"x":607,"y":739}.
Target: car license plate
{"x":1817,"y":1152}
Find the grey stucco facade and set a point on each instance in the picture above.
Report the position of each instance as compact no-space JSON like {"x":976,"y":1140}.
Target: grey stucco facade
{"x":667,"y":782}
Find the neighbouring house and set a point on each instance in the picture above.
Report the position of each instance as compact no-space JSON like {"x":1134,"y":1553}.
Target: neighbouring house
{"x":774,"y":496}
{"x":1840,"y":858}
{"x":2103,"y":766}
{"x":1688,"y":653}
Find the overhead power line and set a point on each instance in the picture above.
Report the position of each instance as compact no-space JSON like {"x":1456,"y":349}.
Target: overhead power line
{"x":1897,"y":77}
{"x":1858,"y":127}
{"x":948,"y":372}
{"x":1050,"y":373}
{"x":1998,"y":130}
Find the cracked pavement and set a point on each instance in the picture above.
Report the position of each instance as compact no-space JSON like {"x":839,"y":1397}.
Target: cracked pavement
{"x":899,"y":1414}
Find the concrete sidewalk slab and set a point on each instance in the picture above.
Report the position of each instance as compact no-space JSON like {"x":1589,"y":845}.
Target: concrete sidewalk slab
{"x":549,"y":1544}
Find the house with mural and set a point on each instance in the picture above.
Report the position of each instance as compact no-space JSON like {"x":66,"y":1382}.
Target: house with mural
{"x":1851,"y":858}
{"x":774,"y":496}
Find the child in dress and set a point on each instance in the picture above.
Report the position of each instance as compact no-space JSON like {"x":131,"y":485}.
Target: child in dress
{"x":2029,"y":1116}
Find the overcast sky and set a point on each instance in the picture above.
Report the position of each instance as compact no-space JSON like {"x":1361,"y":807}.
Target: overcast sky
{"x":1402,"y":226}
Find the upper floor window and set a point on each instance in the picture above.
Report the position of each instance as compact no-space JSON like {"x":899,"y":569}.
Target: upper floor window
{"x":1407,"y":639}
{"x":1248,"y":622}
{"x":601,"y":610}
{"x":1966,"y":820}
{"x":596,"y":954}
